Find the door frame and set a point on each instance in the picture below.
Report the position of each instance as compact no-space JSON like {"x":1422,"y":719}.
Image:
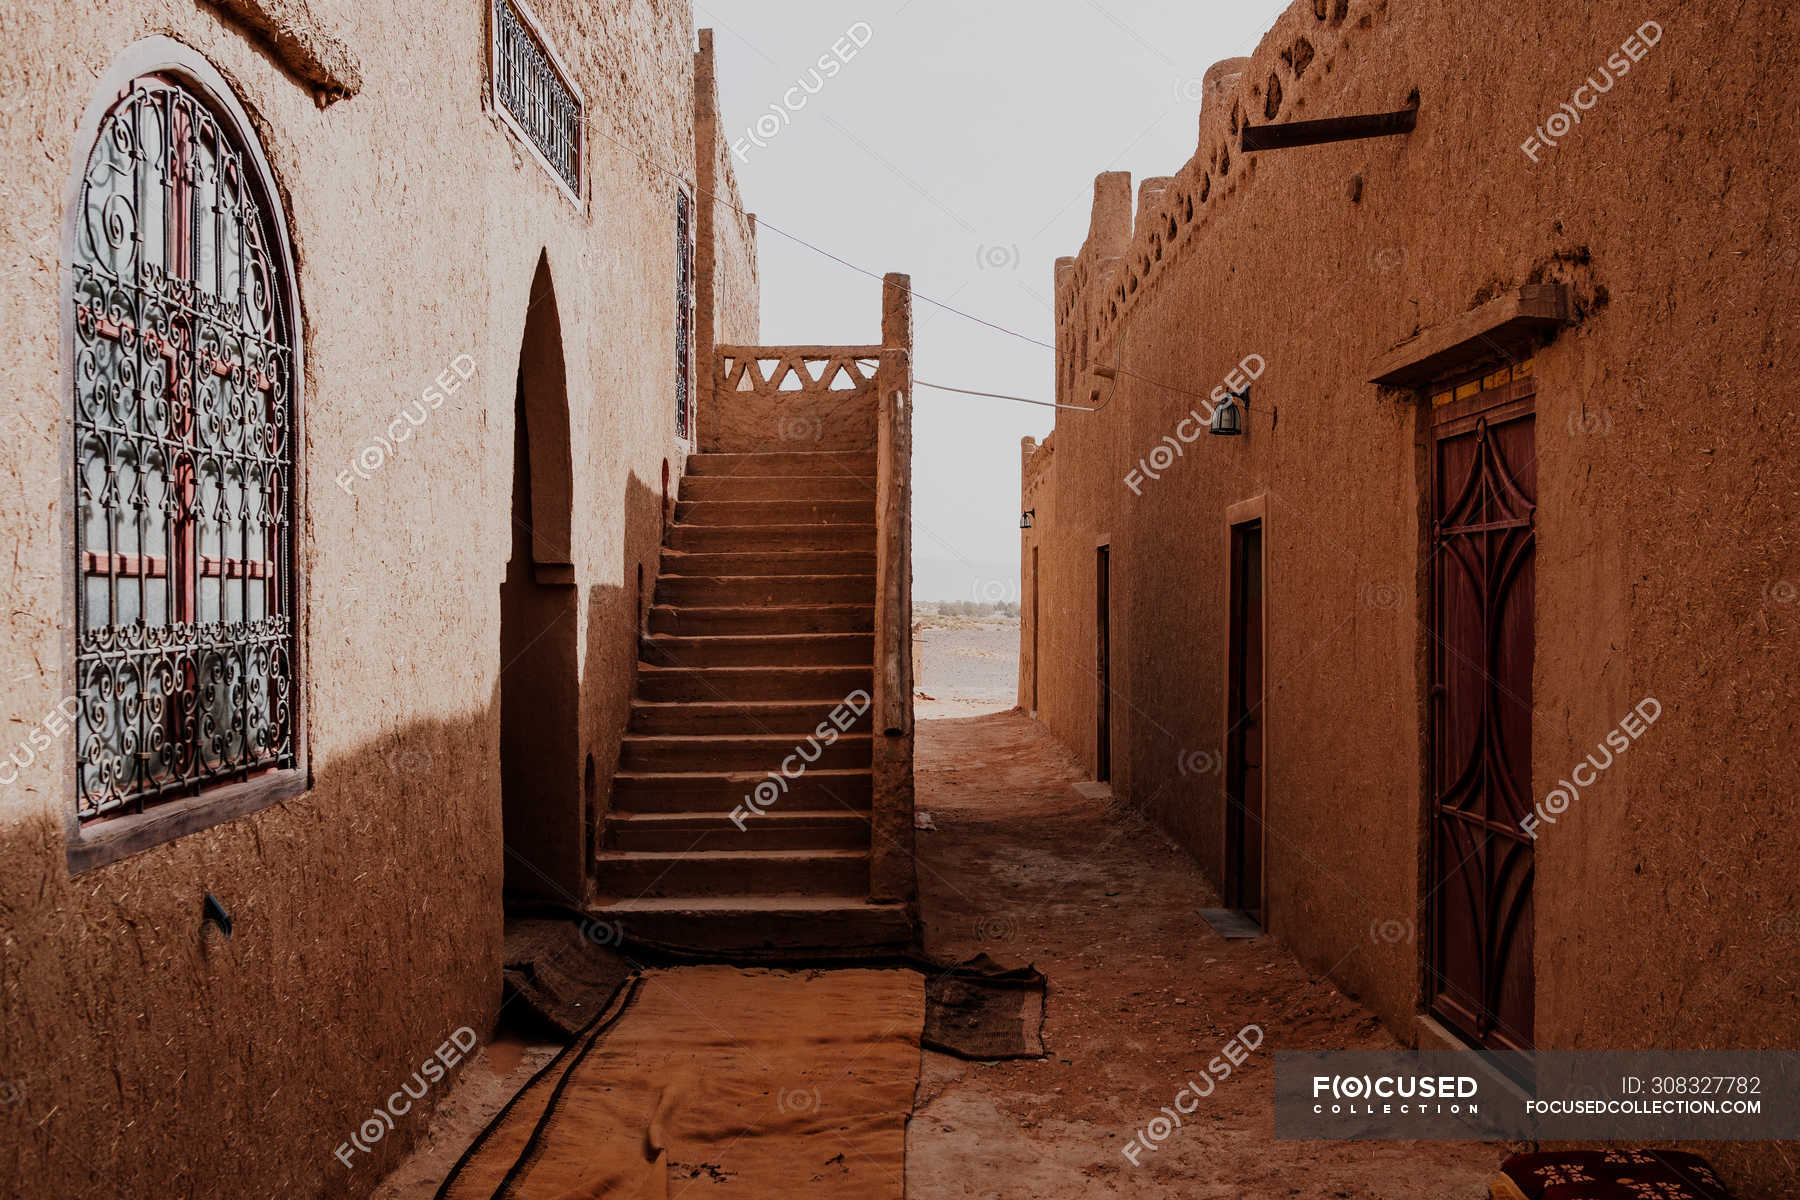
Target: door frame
{"x":1254,"y":511}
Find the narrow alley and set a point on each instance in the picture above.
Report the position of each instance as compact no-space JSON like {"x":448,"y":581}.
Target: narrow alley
{"x":915,"y":601}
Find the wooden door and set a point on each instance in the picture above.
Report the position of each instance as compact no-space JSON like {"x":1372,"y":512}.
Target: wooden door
{"x":1103,"y":663}
{"x":1479,"y":979}
{"x":1244,"y":726}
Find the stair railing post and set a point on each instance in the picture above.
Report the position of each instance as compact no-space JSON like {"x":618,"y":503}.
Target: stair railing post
{"x":891,"y":874}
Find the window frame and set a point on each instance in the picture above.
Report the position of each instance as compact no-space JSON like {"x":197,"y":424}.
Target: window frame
{"x":108,"y":839}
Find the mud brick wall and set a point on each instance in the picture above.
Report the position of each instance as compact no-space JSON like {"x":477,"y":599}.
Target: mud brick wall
{"x":1667,"y":556}
{"x":146,"y":1060}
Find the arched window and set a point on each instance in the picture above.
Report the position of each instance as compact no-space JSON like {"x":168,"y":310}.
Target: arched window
{"x":185,"y":375}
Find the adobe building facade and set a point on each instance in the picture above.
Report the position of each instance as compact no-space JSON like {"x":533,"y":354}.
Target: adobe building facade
{"x":1468,"y":667}
{"x":345,"y":351}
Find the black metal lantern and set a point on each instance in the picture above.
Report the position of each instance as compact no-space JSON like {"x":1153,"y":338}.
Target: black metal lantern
{"x":1228,"y":417}
{"x":1025,"y":518}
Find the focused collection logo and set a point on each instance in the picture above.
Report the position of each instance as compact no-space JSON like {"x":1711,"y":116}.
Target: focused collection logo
{"x":1395,"y":1095}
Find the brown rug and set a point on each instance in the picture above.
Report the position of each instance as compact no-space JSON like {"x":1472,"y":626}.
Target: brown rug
{"x":558,"y":971}
{"x":757,"y":1082}
{"x":982,"y":1011}
{"x":1607,"y":1175}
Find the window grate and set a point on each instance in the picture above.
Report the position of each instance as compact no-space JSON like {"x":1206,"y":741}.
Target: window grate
{"x":684,"y":308}
{"x":535,"y":93}
{"x":184,"y":381}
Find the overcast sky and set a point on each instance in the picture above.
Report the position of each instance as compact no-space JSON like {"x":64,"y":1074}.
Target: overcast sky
{"x":959,"y":145}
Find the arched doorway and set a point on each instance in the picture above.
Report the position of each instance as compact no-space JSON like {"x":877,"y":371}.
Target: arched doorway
{"x":540,"y":773}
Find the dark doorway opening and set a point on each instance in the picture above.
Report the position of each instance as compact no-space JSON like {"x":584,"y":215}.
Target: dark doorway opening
{"x":542,"y":809}
{"x":1034,"y":630}
{"x":1103,"y":663}
{"x":1479,"y":979}
{"x":1244,"y":725}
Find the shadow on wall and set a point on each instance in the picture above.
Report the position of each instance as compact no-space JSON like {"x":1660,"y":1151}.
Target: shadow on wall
{"x":555,"y":794}
{"x":617,"y":618}
{"x":366,"y":913}
{"x":365,"y":931}
{"x":562,"y":711}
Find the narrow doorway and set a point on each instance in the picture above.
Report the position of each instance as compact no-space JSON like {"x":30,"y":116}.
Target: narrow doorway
{"x":1103,"y":663}
{"x":543,"y":824}
{"x":1483,"y":491}
{"x":1034,"y":630}
{"x":1244,"y":725}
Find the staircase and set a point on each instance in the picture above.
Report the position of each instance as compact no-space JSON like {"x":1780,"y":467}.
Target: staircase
{"x":763,"y":801}
{"x":762,"y":628}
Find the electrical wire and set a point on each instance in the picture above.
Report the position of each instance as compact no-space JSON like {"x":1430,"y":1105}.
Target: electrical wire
{"x":1000,"y":396}
{"x":1114,"y":372}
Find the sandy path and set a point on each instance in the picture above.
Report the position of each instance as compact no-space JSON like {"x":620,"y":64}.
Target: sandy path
{"x":1142,"y":996}
{"x":968,"y":667}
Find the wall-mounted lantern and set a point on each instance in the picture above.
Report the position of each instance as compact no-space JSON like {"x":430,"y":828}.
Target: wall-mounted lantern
{"x":1025,"y":518}
{"x":1228,"y":417}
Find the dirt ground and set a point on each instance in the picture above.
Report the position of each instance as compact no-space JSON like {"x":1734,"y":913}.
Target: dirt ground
{"x":482,"y":1088}
{"x":1142,"y":995}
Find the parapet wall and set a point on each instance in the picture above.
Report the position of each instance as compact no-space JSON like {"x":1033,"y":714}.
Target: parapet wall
{"x":1129,"y":252}
{"x":800,"y":398}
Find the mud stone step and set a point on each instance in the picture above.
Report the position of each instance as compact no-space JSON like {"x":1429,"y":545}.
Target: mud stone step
{"x":831,"y":684}
{"x":776,"y":829}
{"x":700,"y":718}
{"x":760,"y":650}
{"x":760,"y":753}
{"x":771,"y":538}
{"x":742,"y":590}
{"x":762,"y":619}
{"x":784,"y":462}
{"x":722,"y":791}
{"x":775,"y":487}
{"x":630,"y":874}
{"x":775,"y":512}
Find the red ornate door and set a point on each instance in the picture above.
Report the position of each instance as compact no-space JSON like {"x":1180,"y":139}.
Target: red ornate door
{"x":1483,"y":496}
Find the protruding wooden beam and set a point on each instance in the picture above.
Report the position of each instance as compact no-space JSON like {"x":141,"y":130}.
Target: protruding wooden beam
{"x":1506,"y":325}
{"x":1329,"y":129}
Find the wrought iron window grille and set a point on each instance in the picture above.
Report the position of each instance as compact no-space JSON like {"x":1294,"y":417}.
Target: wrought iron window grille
{"x":535,"y":94}
{"x":184,"y":377}
{"x":684,"y":312}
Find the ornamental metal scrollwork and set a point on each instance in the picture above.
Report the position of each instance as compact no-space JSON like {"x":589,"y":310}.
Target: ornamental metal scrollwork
{"x":184,"y":449}
{"x":534,"y":91}
{"x":684,"y":308}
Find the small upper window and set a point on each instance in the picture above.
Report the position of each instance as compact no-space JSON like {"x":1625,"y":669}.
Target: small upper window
{"x":535,"y":94}
{"x":184,"y":373}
